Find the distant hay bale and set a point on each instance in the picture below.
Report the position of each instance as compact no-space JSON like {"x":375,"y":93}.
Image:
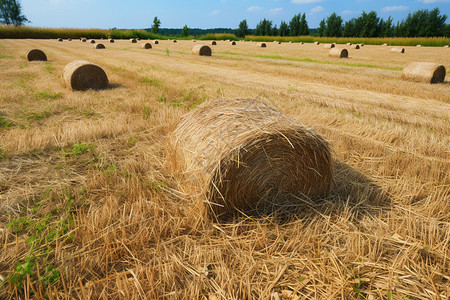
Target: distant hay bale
{"x":301,"y":43}
{"x":316,"y":43}
{"x":349,"y":44}
{"x":356,"y":46}
{"x":384,"y":44}
{"x":83,"y":40}
{"x":69,"y":39}
{"x":147,"y":46}
{"x":233,"y":43}
{"x":156,"y":42}
{"x":329,"y":46}
{"x":36,"y":55}
{"x":290,"y":42}
{"x":277,"y":42}
{"x":446,"y":46}
{"x":194,"y":41}
{"x":262,"y":45}
{"x":424,"y":72}
{"x":239,"y":154}
{"x":418,"y":45}
{"x":92,"y":41}
{"x":81,"y":75}
{"x":174,"y":41}
{"x":362,"y":44}
{"x":338,"y":53}
{"x":201,"y":50}
{"x":111,"y":41}
{"x":213,"y":43}
{"x":60,"y":40}
{"x":134,"y":41}
{"x":398,"y":50}
{"x":99,"y":46}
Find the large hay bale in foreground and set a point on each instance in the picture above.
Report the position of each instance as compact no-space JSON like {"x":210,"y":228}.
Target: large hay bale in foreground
{"x":262,"y":45}
{"x":398,"y":50}
{"x":238,"y":154}
{"x":81,"y":75}
{"x":99,"y":46}
{"x":424,"y":72}
{"x":147,"y":46}
{"x":36,"y":55}
{"x":201,"y":50}
{"x":338,"y":53}
{"x":329,"y":46}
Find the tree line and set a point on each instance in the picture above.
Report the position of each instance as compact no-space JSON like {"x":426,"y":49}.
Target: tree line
{"x":422,"y":23}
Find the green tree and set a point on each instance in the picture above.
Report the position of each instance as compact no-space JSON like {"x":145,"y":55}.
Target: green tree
{"x":264,"y":27}
{"x":155,"y":26}
{"x":242,"y":31}
{"x":185,"y":31}
{"x":349,"y":28}
{"x":304,"y":29}
{"x":294,"y":25}
{"x":370,"y":24}
{"x":284,"y":29}
{"x":322,"y":28}
{"x":334,"y":25}
{"x":11,"y":13}
{"x":274,"y":31}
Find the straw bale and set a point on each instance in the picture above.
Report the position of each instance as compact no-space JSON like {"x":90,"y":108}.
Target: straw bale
{"x":60,"y":40}
{"x":316,"y":43}
{"x":156,"y":42}
{"x":384,"y":44}
{"x":36,"y":55}
{"x":446,"y":46}
{"x":174,"y":41}
{"x":418,"y":45}
{"x":214,"y":43}
{"x":349,"y":44}
{"x":147,"y":46}
{"x":81,"y":75}
{"x":83,"y":40}
{"x":301,"y":43}
{"x":262,"y":45}
{"x":239,"y":154}
{"x":338,"y":53}
{"x":99,"y":46}
{"x":111,"y":41}
{"x":329,"y":46}
{"x":134,"y":41}
{"x":398,"y":50}
{"x":69,"y":39}
{"x":233,"y":43}
{"x":92,"y":41}
{"x":424,"y":72}
{"x":356,"y":46}
{"x":201,"y":50}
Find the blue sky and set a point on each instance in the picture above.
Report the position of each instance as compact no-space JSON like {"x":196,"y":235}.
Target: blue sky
{"x":208,"y":14}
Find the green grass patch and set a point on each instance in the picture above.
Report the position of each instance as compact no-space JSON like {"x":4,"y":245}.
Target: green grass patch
{"x":5,"y":56}
{"x":179,"y":52}
{"x":151,"y":81}
{"x":4,"y":123}
{"x":279,"y":57}
{"x":49,"y":68}
{"x":47,"y":95}
{"x":79,"y":149}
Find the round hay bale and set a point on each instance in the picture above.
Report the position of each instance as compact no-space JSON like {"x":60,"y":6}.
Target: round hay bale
{"x":301,"y":43}
{"x":290,"y":42}
{"x":384,"y":44}
{"x":69,"y":39}
{"x":362,"y":44}
{"x":99,"y":46}
{"x":92,"y":41}
{"x":81,"y":75}
{"x":174,"y":41}
{"x":349,"y":44}
{"x":446,"y":46}
{"x":60,"y":40}
{"x":156,"y":42}
{"x":213,"y":43}
{"x":338,"y":53}
{"x":398,"y":50}
{"x":233,"y":43}
{"x":83,"y":40}
{"x":134,"y":41}
{"x":36,"y":55}
{"x":111,"y":41}
{"x":329,"y":46}
{"x":194,"y":41}
{"x":201,"y":50}
{"x":355,"y":46}
{"x":316,"y":43}
{"x":418,"y":45}
{"x":424,"y":72}
{"x":262,"y":45}
{"x":236,"y":154}
{"x":147,"y":46}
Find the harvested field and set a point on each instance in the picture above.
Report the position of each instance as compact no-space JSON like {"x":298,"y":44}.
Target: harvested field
{"x":88,"y":203}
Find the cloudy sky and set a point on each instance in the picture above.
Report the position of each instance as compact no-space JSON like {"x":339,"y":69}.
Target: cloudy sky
{"x":208,"y":14}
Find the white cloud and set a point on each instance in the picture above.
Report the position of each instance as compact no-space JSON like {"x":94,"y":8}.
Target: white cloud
{"x":275,"y":10}
{"x":434,"y":1}
{"x":317,"y":9}
{"x":214,"y":12}
{"x":394,"y":8}
{"x":254,"y":8}
{"x":350,"y":12}
{"x":305,"y":1}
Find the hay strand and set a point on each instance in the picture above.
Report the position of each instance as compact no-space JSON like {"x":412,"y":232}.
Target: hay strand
{"x":338,"y":53}
{"x":238,"y":154}
{"x":81,"y":75}
{"x":424,"y":72}
{"x":36,"y":55}
{"x":201,"y":50}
